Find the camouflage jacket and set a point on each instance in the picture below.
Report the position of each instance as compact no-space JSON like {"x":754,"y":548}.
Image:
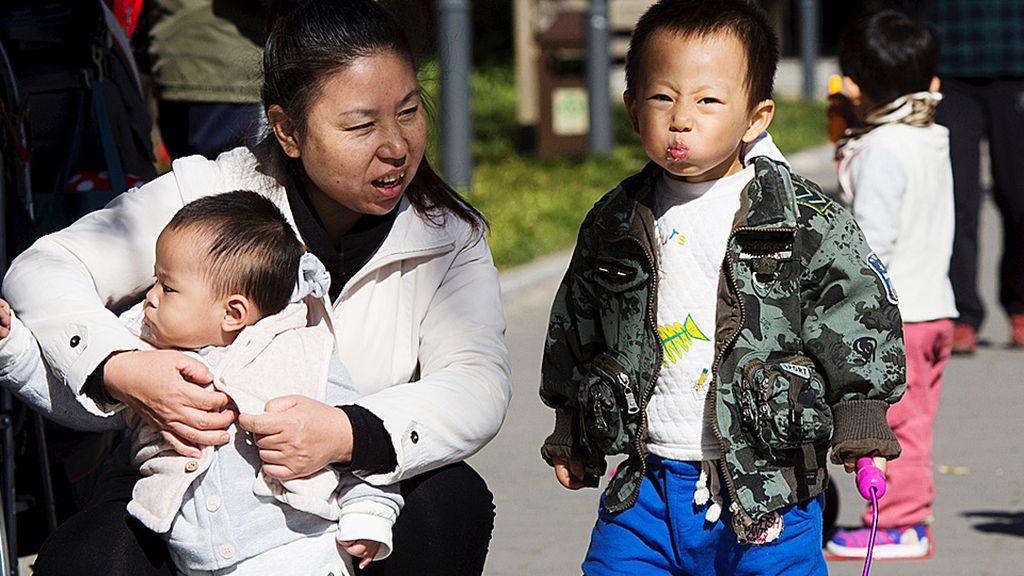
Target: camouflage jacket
{"x":808,"y":344}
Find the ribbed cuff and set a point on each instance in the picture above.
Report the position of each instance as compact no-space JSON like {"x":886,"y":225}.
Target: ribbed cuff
{"x":560,"y":443}
{"x":361,"y":526}
{"x":96,"y":389}
{"x":862,"y":430}
{"x":372,"y":450}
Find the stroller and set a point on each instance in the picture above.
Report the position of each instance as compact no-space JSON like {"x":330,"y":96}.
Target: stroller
{"x":75,"y":131}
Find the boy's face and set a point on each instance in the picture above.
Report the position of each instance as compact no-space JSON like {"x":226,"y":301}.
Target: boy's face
{"x":690,"y":105}
{"x":181,"y":310}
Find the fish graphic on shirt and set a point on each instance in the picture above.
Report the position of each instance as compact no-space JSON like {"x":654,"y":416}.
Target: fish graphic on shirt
{"x":677,"y":338}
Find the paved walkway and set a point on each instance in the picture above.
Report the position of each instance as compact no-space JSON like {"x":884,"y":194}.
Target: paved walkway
{"x":543,"y":529}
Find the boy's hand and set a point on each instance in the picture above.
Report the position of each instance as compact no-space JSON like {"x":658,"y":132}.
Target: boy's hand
{"x":365,"y":549}
{"x":850,"y":464}
{"x":5,"y":319}
{"x":570,"y":472}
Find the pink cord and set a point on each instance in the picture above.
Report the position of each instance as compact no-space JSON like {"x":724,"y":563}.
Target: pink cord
{"x":874,"y":530}
{"x":871,"y":485}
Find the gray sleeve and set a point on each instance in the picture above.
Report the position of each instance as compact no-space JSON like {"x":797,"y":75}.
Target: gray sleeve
{"x":352,"y":489}
{"x":368,"y":512}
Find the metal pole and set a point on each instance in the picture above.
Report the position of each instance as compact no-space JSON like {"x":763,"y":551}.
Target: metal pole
{"x":809,"y":32}
{"x":527,"y":75}
{"x":598,"y":65}
{"x":7,"y":482}
{"x":455,"y":47}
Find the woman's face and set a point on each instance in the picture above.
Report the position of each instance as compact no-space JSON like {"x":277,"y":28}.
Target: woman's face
{"x":363,"y":140}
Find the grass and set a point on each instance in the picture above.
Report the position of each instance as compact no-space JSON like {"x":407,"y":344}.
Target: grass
{"x":535,"y":205}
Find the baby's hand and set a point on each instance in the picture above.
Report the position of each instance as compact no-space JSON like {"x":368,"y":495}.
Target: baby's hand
{"x":365,"y":549}
{"x":5,"y":318}
{"x":850,"y":464}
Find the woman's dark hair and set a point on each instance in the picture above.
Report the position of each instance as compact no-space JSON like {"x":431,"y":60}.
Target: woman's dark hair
{"x":310,"y":40}
{"x":699,"y":18}
{"x":888,"y":55}
{"x":251,"y":249}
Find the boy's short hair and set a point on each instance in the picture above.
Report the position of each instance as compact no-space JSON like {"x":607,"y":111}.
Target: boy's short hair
{"x":699,"y":18}
{"x":888,"y":55}
{"x":252,"y":249}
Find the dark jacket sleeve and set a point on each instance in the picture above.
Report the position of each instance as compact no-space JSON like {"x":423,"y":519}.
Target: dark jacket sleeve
{"x":852,"y":328}
{"x":572,"y":338}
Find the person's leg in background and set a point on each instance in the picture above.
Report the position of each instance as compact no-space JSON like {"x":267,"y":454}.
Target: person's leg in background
{"x":962,"y":112}
{"x":444,"y":528}
{"x":1006,"y":109}
{"x":905,"y":514}
{"x":910,"y":490}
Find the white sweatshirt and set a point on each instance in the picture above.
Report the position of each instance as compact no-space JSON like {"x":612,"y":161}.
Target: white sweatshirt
{"x":901,"y":185}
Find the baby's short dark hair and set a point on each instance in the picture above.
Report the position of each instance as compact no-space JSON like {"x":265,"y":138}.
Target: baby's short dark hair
{"x":252,"y":249}
{"x":888,"y":55}
{"x":698,"y":18}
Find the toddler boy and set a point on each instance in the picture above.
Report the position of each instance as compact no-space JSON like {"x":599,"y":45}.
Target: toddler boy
{"x":722,"y":323}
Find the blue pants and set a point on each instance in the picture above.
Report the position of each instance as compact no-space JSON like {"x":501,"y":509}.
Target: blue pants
{"x":666,"y":533}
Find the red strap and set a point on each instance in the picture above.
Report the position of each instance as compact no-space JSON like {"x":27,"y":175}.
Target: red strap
{"x":127,"y":13}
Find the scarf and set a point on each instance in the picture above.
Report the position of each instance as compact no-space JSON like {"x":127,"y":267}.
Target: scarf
{"x":917,"y":109}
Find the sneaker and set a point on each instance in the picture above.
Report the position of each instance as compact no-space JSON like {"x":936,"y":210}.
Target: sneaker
{"x":965,"y":339}
{"x":908,"y":542}
{"x":1017,"y":330}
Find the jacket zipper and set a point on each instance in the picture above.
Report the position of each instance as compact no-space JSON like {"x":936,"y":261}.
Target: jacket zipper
{"x":736,"y":508}
{"x":631,"y":406}
{"x":652,"y":324}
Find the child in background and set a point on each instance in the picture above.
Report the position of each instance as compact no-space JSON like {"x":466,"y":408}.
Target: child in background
{"x":896,"y":170}
{"x":722,"y":323}
{"x":226,"y":270}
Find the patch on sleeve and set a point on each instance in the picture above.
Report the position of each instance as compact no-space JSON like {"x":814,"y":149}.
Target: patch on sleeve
{"x":812,"y":200}
{"x":875,"y":263}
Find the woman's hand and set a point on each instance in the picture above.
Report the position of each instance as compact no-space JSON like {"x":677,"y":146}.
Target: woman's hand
{"x":298,"y":436}
{"x":166,"y":388}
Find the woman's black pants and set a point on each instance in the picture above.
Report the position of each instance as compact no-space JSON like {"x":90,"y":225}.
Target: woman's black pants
{"x":444,"y":529}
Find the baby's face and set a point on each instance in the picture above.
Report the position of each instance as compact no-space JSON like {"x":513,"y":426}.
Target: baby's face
{"x":181,"y":310}
{"x":690,"y":105}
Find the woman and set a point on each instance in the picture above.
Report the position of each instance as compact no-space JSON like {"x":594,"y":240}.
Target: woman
{"x":417,"y":306}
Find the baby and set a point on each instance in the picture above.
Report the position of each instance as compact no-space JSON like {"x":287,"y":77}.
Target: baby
{"x":226,"y":292}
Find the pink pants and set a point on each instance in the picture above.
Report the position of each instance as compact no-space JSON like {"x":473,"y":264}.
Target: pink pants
{"x":910,"y":485}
